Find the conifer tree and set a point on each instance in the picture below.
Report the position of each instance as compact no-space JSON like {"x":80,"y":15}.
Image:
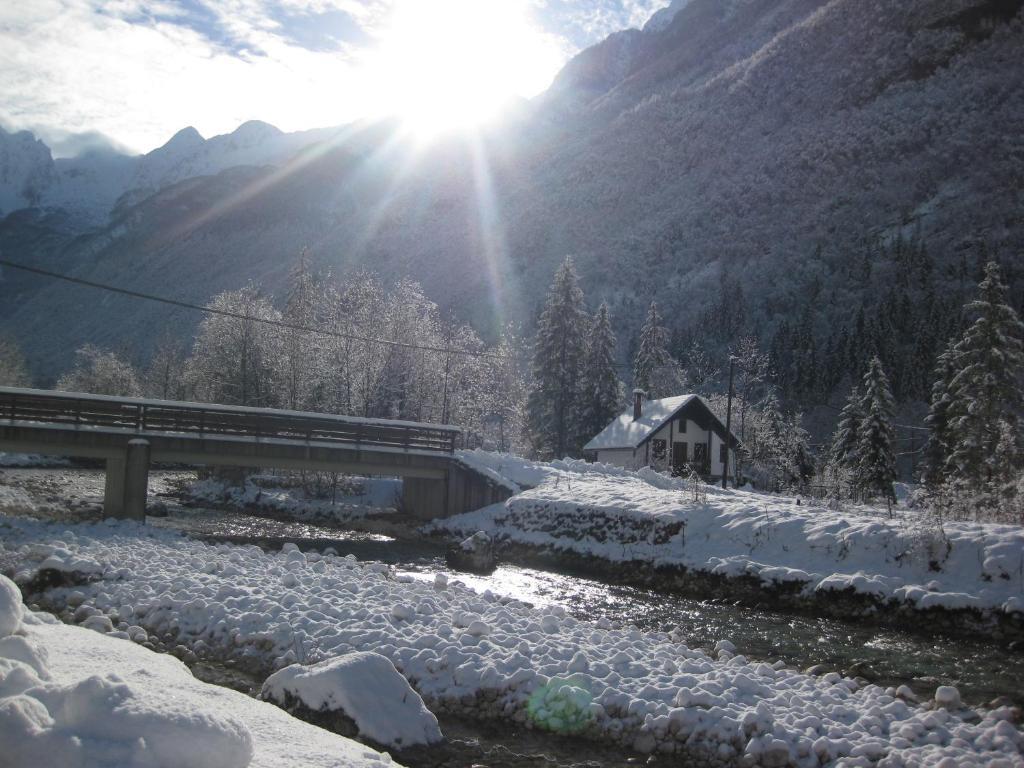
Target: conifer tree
{"x":876,"y":458}
{"x":602,"y":390}
{"x":653,"y":366}
{"x":985,"y":389}
{"x":940,"y":438}
{"x":559,"y":349}
{"x":846,"y":441}
{"x":13,"y":370}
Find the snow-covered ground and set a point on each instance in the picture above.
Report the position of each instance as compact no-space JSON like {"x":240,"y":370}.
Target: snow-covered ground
{"x":74,"y":698}
{"x":31,"y":460}
{"x":369,"y":495}
{"x":489,"y":656}
{"x":620,"y":515}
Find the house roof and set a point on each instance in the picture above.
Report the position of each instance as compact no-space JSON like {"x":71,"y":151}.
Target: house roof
{"x":625,"y":432}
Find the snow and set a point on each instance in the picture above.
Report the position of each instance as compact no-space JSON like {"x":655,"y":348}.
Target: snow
{"x":474,"y":654}
{"x":81,"y":700}
{"x":621,"y":515}
{"x":372,"y":495}
{"x":10,"y":607}
{"x":366,"y":687}
{"x":627,"y":432}
{"x":31,"y":460}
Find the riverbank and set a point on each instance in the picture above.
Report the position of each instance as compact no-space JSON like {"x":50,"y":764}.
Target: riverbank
{"x":74,"y":697}
{"x":757,"y":548}
{"x":488,"y":657}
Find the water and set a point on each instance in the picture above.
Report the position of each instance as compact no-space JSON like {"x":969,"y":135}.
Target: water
{"x":981,"y":670}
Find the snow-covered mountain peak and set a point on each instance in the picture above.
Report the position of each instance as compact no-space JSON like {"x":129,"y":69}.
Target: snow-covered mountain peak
{"x":26,"y":169}
{"x":186,"y":138}
{"x":253,"y":131}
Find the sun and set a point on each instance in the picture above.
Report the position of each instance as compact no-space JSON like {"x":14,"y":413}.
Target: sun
{"x":451,"y":64}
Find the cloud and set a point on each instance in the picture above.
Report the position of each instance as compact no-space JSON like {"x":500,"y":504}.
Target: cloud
{"x":138,"y":71}
{"x":67,"y":144}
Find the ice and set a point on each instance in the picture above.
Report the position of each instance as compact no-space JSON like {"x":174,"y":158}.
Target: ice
{"x":367,"y":688}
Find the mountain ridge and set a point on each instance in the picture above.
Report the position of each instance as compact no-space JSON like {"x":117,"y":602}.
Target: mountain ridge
{"x":723,"y":149}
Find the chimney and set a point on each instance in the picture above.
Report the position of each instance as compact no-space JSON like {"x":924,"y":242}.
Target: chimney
{"x":638,"y":402}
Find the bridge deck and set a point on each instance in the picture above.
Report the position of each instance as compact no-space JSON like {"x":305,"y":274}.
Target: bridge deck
{"x":78,"y":411}
{"x":129,"y":433}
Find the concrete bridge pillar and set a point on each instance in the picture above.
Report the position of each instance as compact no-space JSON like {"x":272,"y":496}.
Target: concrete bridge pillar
{"x":136,"y":479}
{"x":127,"y":482}
{"x":113,"y":488}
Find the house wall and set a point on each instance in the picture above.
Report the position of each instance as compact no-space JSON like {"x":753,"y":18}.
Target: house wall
{"x":622,"y":457}
{"x":687,"y":431}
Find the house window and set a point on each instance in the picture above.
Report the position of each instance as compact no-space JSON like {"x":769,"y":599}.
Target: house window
{"x":722,"y":457}
{"x":658,"y":450}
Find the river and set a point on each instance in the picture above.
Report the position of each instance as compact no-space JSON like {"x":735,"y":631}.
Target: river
{"x":981,"y":670}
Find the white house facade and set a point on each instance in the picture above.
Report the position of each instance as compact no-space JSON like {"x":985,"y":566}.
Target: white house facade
{"x":677,"y":434}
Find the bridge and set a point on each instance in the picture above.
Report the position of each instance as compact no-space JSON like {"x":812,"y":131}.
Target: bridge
{"x":131,"y":433}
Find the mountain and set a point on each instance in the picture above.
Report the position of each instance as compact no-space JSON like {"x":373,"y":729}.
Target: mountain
{"x":739,"y":161}
{"x":88,"y":186}
{"x":26,"y":170}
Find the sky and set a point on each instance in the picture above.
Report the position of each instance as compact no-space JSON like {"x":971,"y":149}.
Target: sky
{"x":81,"y":73}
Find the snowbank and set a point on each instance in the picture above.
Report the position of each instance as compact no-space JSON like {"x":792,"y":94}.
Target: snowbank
{"x":367,"y":688}
{"x":72,"y":698}
{"x":14,"y":501}
{"x":619,"y":515}
{"x":31,"y":460}
{"x":380,"y":495}
{"x":488,"y":656}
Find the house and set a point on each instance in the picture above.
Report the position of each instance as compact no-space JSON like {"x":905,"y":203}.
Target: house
{"x":676,"y":433}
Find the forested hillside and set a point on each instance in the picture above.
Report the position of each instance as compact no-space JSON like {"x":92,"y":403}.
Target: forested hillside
{"x":826,"y":176}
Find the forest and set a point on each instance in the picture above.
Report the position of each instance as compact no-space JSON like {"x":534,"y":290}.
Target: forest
{"x":354,"y":345}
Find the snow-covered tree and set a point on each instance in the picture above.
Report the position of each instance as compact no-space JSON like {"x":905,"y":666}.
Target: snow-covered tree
{"x":846,"y":440}
{"x":752,"y":374}
{"x":654,"y":370}
{"x":100,"y":372}
{"x":13,"y":370}
{"x":876,"y":457}
{"x":985,"y":388}
{"x":302,"y":363}
{"x":602,"y":390}
{"x":559,"y":349}
{"x":940,"y":437}
{"x":236,"y":357}
{"x":165,"y":376}
{"x":776,"y":452}
{"x":502,"y":396}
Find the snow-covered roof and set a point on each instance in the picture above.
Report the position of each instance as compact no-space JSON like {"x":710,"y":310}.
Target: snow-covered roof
{"x":625,"y":432}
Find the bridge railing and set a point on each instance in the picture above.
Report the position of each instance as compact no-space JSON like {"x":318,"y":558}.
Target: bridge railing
{"x":84,"y":411}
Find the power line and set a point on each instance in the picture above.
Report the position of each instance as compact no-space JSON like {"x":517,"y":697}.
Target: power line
{"x":240,"y":316}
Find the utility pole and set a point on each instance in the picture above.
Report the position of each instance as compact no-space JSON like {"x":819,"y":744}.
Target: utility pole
{"x":728,"y":427}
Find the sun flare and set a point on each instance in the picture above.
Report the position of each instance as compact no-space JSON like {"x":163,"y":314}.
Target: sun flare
{"x":451,"y":64}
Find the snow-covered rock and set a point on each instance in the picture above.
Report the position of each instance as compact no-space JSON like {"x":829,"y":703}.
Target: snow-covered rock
{"x":76,"y":700}
{"x":475,"y":553}
{"x":644,"y":689}
{"x":10,"y":607}
{"x":367,"y":688}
